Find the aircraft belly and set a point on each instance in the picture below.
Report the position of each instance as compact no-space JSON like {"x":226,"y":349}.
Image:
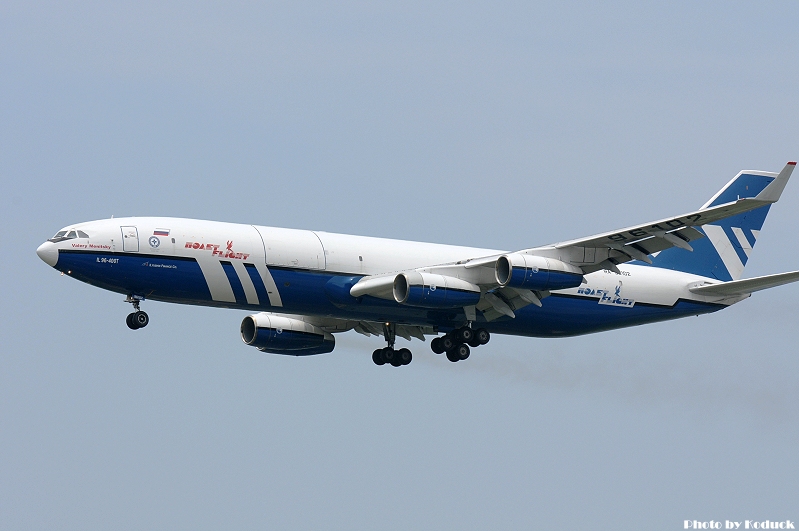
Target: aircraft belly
{"x":183,"y":280}
{"x":568,"y":315}
{"x":166,"y":278}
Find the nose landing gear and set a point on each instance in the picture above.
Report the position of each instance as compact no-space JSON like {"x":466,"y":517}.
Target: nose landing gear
{"x":456,"y":343}
{"x":137,"y":319}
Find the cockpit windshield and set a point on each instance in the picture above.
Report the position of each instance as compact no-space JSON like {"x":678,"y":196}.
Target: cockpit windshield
{"x":62,"y":235}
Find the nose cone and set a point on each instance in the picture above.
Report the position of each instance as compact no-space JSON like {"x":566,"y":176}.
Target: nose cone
{"x":48,"y":253}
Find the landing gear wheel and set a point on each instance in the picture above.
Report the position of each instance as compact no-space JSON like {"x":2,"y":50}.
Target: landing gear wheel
{"x":436,"y":346}
{"x":464,"y":334}
{"x":140,"y":319}
{"x":448,"y":343}
{"x":474,"y":342}
{"x":482,"y":335}
{"x":137,"y":319}
{"x":452,"y":356}
{"x":404,"y":355}
{"x":462,"y":351}
{"x":388,"y":354}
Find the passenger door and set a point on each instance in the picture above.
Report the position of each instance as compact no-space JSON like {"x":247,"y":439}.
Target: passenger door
{"x":130,"y":239}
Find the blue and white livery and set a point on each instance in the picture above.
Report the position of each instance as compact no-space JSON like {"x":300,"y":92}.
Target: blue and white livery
{"x":304,"y":286}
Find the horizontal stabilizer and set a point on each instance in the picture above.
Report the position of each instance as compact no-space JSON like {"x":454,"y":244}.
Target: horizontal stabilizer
{"x":745,"y":287}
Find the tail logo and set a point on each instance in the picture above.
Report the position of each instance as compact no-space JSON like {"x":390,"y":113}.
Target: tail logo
{"x":733,"y":261}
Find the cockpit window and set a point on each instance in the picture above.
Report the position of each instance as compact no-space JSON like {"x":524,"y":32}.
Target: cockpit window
{"x":59,"y":236}
{"x":67,"y":235}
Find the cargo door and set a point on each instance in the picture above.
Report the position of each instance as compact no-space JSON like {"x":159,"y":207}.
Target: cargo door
{"x":300,"y":249}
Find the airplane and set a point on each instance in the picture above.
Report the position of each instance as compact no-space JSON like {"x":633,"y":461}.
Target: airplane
{"x":307,"y":285}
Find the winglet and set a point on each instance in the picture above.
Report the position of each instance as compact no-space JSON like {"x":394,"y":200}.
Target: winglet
{"x":773,"y":191}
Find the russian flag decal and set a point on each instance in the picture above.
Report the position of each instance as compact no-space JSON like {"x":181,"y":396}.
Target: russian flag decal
{"x":161,"y":232}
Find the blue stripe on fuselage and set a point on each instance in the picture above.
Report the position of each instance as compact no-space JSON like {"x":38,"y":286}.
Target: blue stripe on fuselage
{"x":235,"y":282}
{"x":258,"y":282}
{"x":166,"y":278}
{"x":180,"y":280}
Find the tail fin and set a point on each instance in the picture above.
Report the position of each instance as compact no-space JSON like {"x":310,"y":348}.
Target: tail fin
{"x":729,"y":243}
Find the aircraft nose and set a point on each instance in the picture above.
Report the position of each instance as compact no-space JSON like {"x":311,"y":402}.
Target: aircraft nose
{"x":48,"y":253}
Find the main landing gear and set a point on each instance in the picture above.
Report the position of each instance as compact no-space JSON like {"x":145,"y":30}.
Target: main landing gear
{"x":456,"y":343}
{"x":137,"y":319}
{"x":395,"y":358}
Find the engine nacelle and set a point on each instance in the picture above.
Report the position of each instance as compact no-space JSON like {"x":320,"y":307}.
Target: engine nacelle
{"x":285,"y":335}
{"x":427,"y":290}
{"x":536,"y":273}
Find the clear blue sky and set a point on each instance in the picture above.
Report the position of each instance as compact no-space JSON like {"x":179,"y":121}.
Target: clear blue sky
{"x":503,"y":125}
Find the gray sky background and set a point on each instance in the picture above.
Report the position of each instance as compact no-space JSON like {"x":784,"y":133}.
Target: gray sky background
{"x":506,"y":125}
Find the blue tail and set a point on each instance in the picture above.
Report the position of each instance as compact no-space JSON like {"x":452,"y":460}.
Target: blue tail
{"x":729,"y":243}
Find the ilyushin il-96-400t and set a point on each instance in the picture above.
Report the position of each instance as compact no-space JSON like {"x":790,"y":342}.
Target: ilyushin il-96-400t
{"x":304,"y":287}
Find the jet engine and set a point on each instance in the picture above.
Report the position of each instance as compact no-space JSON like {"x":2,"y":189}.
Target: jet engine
{"x":526,"y":271}
{"x":277,"y":334}
{"x":428,"y":290}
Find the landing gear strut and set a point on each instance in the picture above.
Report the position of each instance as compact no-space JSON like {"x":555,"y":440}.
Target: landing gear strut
{"x":137,"y":319}
{"x":456,"y":343}
{"x":395,"y":358}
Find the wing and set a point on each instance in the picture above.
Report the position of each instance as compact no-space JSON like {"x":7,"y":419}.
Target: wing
{"x":497,"y":289}
{"x":606,"y":250}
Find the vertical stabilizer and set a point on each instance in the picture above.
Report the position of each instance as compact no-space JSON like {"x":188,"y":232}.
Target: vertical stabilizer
{"x":729,"y":243}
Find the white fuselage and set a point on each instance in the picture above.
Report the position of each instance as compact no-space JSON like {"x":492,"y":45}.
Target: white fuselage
{"x":306,"y":272}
